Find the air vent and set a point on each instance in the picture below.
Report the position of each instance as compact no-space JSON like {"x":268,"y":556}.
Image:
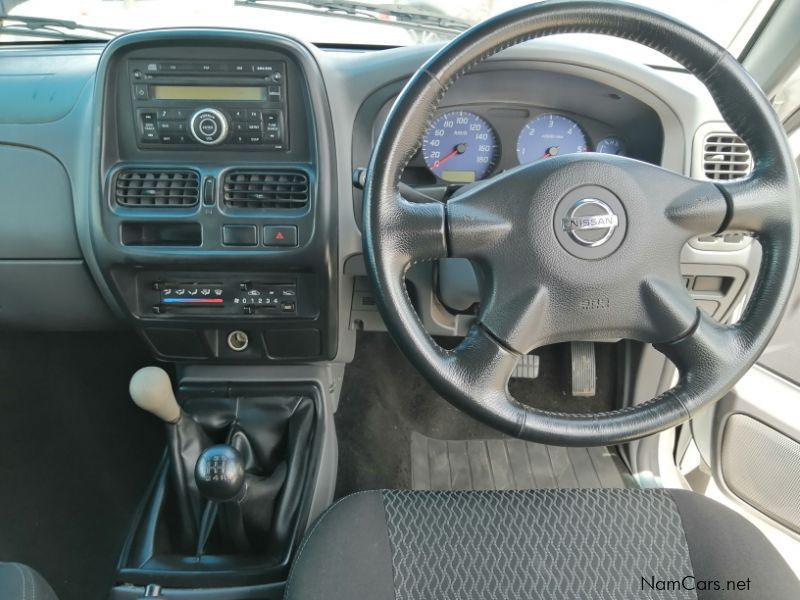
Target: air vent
{"x":266,"y":189}
{"x":157,"y":189}
{"x":726,"y":157}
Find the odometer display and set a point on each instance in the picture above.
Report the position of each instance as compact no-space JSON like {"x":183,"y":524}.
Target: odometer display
{"x":550,"y":135}
{"x":460,"y":147}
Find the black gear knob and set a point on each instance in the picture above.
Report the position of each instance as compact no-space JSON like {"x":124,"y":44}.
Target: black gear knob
{"x":219,"y":473}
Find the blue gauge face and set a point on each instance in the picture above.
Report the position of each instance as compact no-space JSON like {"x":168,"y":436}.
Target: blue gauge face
{"x":550,"y":135}
{"x":611,"y":145}
{"x":460,"y":147}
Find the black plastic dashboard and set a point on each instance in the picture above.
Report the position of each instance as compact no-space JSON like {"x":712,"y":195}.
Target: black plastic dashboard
{"x":96,"y":230}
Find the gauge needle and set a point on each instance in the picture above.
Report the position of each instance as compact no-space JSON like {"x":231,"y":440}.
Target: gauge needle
{"x":551,"y":151}
{"x":457,"y":149}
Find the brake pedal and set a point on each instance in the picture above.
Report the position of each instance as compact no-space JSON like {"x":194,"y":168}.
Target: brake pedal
{"x":584,"y":371}
{"x":527,"y":368}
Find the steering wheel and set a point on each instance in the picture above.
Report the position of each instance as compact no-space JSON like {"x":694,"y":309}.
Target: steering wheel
{"x":583,"y":246}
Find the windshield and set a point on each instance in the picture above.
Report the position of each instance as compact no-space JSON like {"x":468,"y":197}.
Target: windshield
{"x":361,"y":22}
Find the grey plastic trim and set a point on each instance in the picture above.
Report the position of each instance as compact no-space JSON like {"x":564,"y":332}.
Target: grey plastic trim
{"x":765,"y":397}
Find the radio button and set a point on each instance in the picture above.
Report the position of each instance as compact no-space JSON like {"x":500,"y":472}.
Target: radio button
{"x":209,"y":126}
{"x":240,"y":114}
{"x":173,"y":113}
{"x":150,"y":137}
{"x":240,"y":126}
{"x":254,"y":115}
{"x":170,"y":126}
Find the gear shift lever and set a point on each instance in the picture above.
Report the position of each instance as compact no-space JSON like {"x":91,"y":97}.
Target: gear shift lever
{"x":151,"y":390}
{"x":220,"y":477}
{"x":219,"y":473}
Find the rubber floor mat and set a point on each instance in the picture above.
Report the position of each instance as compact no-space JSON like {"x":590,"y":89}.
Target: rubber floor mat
{"x":510,"y":464}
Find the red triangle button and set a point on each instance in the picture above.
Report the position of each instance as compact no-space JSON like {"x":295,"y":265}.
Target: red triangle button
{"x":280,"y":236}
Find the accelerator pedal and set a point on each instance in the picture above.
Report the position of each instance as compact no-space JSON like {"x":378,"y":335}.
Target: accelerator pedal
{"x":527,"y":368}
{"x":584,"y":371}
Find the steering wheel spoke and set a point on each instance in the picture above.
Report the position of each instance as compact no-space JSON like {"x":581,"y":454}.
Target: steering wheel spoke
{"x":709,"y":351}
{"x":755,"y":205}
{"x":413,"y":232}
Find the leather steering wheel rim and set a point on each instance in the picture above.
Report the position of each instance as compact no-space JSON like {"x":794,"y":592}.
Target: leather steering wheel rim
{"x":536,"y":289}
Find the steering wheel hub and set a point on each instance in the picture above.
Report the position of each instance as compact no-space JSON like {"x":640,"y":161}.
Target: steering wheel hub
{"x":590,"y":222}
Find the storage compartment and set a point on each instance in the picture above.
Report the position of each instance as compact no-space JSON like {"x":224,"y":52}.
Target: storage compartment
{"x":161,"y":234}
{"x":275,"y":429}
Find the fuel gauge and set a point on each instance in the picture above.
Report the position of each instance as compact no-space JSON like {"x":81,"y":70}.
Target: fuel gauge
{"x":611,"y":145}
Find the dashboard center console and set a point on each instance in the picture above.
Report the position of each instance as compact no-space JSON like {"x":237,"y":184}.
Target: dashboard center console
{"x":216,"y":178}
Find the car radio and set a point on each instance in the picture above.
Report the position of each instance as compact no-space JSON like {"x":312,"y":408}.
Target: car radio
{"x":208,"y":104}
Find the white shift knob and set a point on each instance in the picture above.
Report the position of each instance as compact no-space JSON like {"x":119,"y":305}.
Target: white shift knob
{"x":151,"y":389}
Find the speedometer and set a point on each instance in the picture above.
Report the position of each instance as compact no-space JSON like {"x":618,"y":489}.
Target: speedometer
{"x":460,"y":147}
{"x":550,"y":135}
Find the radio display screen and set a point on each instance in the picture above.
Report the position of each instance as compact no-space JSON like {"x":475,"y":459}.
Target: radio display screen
{"x":208,"y":92}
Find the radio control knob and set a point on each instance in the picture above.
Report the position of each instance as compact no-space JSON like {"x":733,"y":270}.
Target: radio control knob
{"x":209,"y":126}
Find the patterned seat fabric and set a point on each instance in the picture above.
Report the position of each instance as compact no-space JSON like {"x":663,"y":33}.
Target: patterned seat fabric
{"x":583,"y":543}
{"x":543,"y":544}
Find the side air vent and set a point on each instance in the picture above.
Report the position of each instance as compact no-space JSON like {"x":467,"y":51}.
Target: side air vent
{"x":726,"y":157}
{"x":157,"y":189}
{"x":266,"y":189}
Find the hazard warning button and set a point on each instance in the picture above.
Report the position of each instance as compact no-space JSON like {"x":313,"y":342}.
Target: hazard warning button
{"x":280,"y":235}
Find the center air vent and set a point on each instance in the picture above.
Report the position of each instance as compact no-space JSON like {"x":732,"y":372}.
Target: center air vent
{"x":726,"y":157}
{"x":266,"y":189}
{"x":157,"y":189}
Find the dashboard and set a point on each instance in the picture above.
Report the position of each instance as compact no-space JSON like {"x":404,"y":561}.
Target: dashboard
{"x":196,"y":184}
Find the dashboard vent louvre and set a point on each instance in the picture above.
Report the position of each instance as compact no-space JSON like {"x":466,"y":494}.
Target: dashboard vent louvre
{"x":157,"y":189}
{"x":266,"y":189}
{"x":726,"y":157}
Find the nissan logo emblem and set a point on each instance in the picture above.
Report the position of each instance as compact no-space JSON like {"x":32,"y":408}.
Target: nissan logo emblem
{"x":590,"y":222}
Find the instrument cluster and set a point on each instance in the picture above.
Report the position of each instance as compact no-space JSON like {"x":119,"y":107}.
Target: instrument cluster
{"x":462,"y":146}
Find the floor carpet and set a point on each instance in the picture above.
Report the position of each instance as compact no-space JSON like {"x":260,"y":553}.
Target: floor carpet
{"x":75,"y":455}
{"x":384,"y":400}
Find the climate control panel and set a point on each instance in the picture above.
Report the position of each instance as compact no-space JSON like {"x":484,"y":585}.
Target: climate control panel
{"x":217,"y":295}
{"x":225,"y":297}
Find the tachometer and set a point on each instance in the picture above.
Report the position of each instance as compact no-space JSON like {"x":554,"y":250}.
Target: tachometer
{"x":549,"y":135}
{"x":460,"y":147}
